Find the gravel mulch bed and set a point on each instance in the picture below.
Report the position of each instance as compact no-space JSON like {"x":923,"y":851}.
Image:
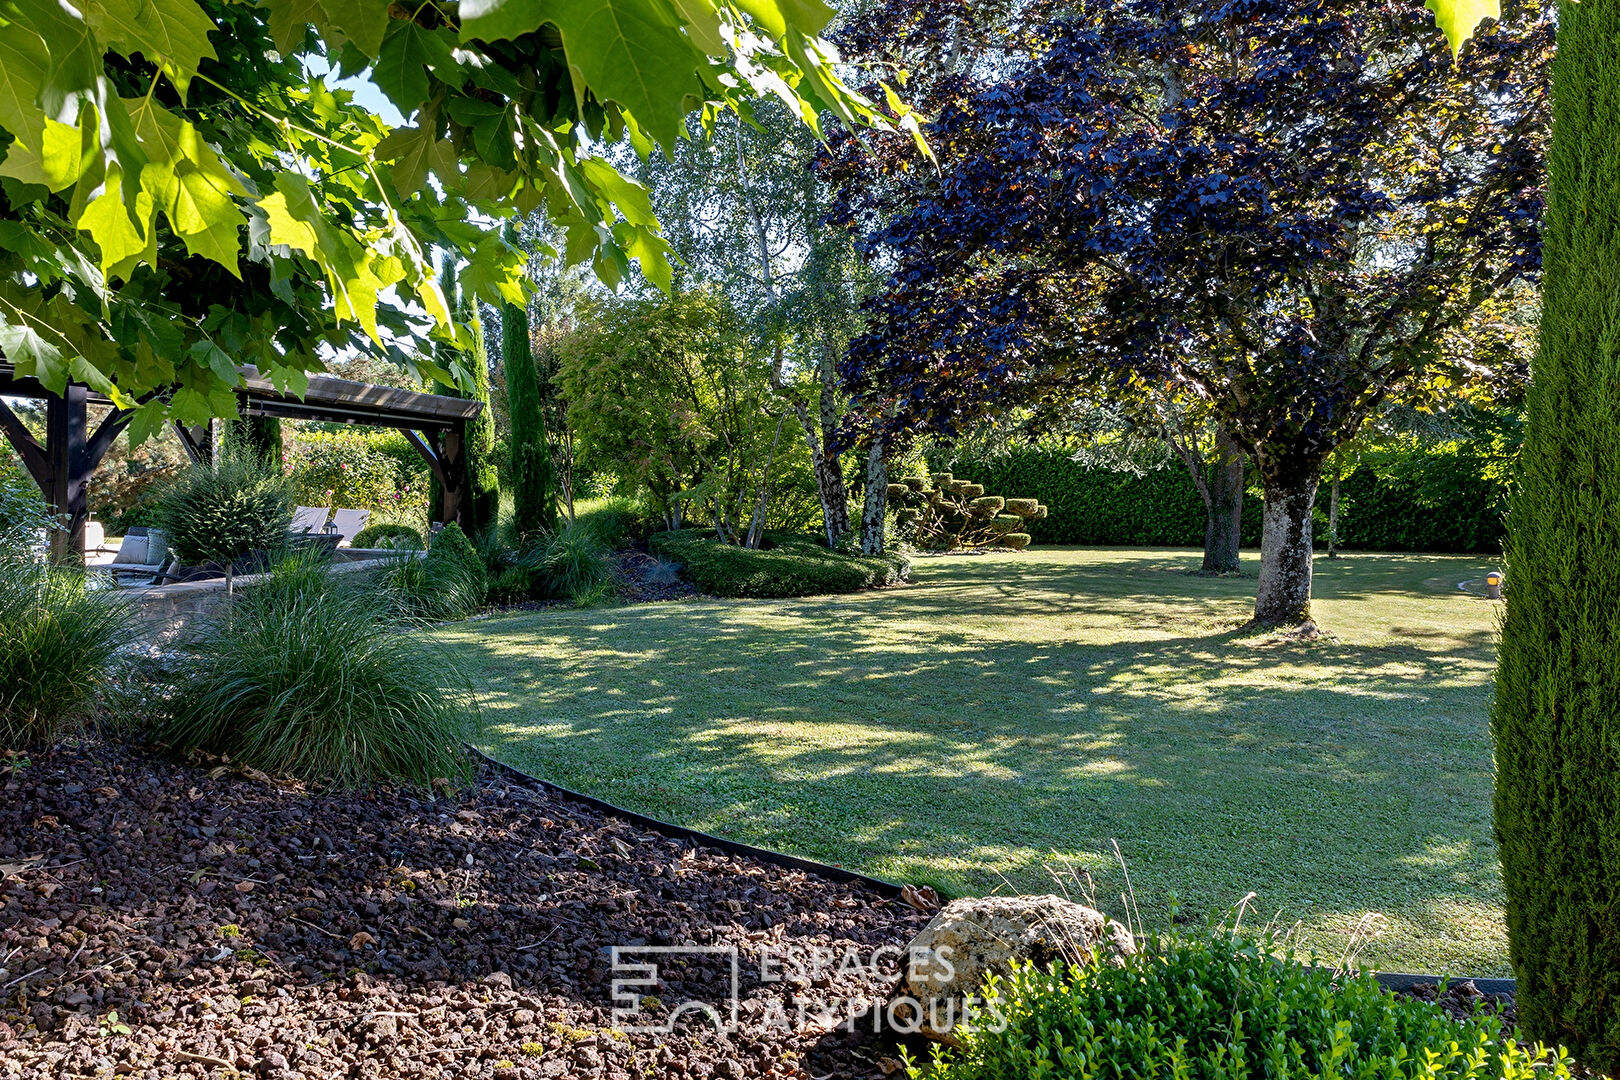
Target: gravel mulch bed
{"x":236,"y":925}
{"x":1463,"y":1001}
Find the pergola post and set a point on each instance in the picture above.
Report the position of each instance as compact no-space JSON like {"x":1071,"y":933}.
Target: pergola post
{"x":63,"y":466}
{"x":444,"y":450}
{"x":453,"y":478}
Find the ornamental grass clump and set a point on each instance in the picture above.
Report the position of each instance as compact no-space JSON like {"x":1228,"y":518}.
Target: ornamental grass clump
{"x":307,"y":675}
{"x":1215,"y":1007}
{"x":449,"y":582}
{"x":59,"y":641}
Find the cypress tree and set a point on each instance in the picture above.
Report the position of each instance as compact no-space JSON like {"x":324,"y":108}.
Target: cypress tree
{"x":1556,"y":721}
{"x":483,"y":480}
{"x":534,"y":478}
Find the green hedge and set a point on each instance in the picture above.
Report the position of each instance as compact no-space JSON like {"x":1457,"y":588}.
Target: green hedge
{"x":1210,"y":1007}
{"x":790,"y":566}
{"x":1446,"y":500}
{"x":1095,"y":506}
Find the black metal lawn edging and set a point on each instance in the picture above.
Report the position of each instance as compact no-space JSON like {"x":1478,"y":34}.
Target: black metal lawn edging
{"x":1390,"y":980}
{"x":887,"y":889}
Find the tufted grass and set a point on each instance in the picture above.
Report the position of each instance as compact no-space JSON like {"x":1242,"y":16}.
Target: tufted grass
{"x":1010,"y":709}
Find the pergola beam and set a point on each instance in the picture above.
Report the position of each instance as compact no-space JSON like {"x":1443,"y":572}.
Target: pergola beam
{"x":62,"y":467}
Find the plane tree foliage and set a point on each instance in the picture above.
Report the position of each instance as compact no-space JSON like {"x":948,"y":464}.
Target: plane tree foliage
{"x":179,"y":194}
{"x":1281,"y":208}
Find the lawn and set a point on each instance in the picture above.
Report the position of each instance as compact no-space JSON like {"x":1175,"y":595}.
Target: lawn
{"x":1010,"y":713}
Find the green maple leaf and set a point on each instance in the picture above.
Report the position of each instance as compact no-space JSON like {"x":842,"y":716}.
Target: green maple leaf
{"x":33,"y":354}
{"x":632,"y":52}
{"x":363,"y":22}
{"x":408,"y":53}
{"x":173,"y":32}
{"x":806,"y":16}
{"x":494,"y":272}
{"x":24,"y":62}
{"x":288,"y":20}
{"x":1458,"y":19}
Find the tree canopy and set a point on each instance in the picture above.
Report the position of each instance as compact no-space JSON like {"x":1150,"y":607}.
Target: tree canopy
{"x":1285,"y":210}
{"x":180,"y":192}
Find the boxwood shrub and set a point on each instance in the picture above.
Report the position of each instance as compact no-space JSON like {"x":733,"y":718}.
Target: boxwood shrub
{"x":388,"y":534}
{"x":789,"y":565}
{"x":1212,"y":1007}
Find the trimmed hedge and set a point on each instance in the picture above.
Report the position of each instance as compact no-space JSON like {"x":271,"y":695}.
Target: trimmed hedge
{"x":387,"y":534}
{"x":790,"y":565}
{"x":1445,"y":500}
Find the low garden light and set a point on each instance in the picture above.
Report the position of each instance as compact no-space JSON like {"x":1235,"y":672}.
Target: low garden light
{"x":1493,"y":585}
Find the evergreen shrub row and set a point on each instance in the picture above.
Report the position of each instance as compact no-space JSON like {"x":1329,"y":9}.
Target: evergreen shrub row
{"x":788,"y":565}
{"x":1447,"y":500}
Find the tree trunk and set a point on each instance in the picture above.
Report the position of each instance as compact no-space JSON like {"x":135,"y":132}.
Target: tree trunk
{"x":1333,"y":518}
{"x":1223,"y":530}
{"x":829,"y":469}
{"x":1284,"y":597}
{"x":873,"y":540}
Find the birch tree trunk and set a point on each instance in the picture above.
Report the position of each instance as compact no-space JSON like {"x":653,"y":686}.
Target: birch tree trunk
{"x":873,"y":540}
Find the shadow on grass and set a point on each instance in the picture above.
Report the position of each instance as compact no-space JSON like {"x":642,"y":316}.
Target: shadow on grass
{"x":968,"y":727}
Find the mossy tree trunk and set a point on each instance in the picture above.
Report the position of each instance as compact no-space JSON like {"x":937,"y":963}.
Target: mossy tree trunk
{"x":1556,"y":720}
{"x":1283,"y":597}
{"x":483,"y":492}
{"x":259,"y":436}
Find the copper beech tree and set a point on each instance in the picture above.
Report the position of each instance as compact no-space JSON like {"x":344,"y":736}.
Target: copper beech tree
{"x":1280,"y":209}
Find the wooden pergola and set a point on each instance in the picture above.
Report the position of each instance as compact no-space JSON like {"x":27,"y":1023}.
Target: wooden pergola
{"x":63,"y":464}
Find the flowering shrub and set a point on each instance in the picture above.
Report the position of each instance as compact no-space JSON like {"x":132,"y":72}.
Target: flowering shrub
{"x":344,"y":470}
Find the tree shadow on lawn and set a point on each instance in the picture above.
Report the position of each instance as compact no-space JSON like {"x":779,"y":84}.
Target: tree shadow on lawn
{"x":1332,"y":778}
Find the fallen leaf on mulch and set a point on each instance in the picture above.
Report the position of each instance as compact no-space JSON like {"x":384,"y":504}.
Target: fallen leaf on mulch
{"x":923,"y":897}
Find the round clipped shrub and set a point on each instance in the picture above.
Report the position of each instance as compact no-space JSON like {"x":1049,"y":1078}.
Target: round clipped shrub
{"x":1022,"y":507}
{"x":1216,"y":1006}
{"x":1005,"y":523}
{"x":987,"y":506}
{"x":1018,"y":541}
{"x":915,"y":483}
{"x":387,"y":534}
{"x":220,"y":513}
{"x":307,"y":676}
{"x":942,"y":479}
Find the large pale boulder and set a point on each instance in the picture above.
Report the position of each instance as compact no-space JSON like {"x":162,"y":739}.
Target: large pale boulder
{"x":973,"y":937}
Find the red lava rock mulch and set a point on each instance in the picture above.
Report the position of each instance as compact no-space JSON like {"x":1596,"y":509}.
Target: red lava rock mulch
{"x":234,"y":925}
{"x":1463,"y":1001}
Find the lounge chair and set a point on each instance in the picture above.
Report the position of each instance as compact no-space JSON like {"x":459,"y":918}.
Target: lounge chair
{"x":348,"y":523}
{"x":142,"y":549}
{"x":308,"y":519}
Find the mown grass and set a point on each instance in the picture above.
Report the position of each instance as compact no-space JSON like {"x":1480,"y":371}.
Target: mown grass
{"x":1009,"y":710}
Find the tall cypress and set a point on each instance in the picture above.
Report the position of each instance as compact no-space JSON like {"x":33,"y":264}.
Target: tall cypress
{"x":483,"y":477}
{"x":534,"y":478}
{"x":483,"y":480}
{"x":1556,"y":721}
